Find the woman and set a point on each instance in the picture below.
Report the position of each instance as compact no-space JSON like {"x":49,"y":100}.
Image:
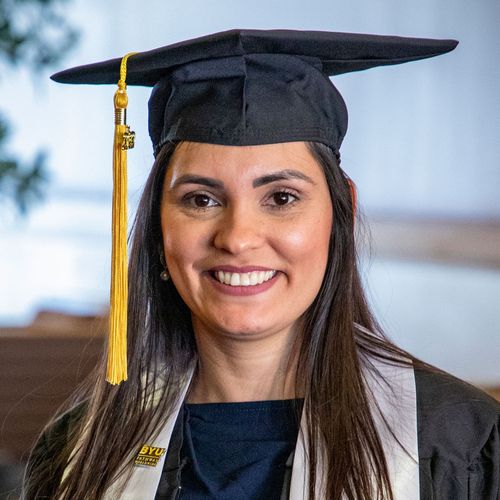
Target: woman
{"x":255,"y":368}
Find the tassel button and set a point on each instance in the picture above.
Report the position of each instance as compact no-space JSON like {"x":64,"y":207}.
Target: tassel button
{"x":128,"y":139}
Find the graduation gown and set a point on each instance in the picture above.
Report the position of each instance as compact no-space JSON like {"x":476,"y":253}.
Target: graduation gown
{"x":449,"y":429}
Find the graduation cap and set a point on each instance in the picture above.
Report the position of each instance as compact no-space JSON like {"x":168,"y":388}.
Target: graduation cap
{"x":238,"y":87}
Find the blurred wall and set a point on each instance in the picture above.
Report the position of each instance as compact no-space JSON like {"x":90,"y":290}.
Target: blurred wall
{"x":422,"y":144}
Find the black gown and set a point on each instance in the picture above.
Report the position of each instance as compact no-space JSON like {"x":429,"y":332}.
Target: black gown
{"x":458,"y":441}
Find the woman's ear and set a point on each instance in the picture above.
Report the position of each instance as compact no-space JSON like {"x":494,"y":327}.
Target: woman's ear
{"x":354,"y":197}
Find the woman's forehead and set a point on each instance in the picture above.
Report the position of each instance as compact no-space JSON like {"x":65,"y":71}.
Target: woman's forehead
{"x":219,"y":161}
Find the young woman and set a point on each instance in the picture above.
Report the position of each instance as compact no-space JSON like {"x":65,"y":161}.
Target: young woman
{"x":255,"y":368}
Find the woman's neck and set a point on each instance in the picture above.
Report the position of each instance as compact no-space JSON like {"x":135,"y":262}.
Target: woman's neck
{"x":241,"y":369}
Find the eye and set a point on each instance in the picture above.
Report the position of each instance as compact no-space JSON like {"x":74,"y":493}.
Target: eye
{"x":199,"y":201}
{"x":282,"y":199}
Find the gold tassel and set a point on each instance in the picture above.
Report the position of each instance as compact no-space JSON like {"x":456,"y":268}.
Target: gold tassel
{"x":123,"y":140}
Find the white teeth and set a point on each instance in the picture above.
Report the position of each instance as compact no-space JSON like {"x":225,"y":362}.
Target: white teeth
{"x":244,"y":279}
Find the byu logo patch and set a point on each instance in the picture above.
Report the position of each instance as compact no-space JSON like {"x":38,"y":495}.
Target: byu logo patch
{"x":149,"y":456}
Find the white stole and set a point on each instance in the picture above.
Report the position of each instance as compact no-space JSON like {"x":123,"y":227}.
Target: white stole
{"x":396,"y":400}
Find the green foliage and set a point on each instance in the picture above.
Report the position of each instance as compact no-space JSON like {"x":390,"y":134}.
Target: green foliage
{"x":21,"y":184}
{"x":34,"y":34}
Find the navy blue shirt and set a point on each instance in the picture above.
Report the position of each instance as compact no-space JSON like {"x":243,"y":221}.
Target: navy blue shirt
{"x":233,"y":450}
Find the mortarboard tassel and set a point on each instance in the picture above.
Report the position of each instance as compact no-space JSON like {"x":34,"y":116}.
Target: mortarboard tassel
{"x":123,"y":140}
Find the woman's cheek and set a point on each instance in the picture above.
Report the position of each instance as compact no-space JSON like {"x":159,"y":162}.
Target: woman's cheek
{"x":308,"y":240}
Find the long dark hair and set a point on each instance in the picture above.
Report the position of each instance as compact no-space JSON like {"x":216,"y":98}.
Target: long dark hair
{"x":338,"y":332}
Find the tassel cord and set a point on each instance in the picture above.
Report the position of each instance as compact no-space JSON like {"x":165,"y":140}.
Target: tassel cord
{"x":123,"y":140}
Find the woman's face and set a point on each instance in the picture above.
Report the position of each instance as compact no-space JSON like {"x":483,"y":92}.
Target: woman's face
{"x":246,"y":232}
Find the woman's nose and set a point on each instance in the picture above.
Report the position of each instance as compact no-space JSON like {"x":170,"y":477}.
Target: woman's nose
{"x":238,"y":231}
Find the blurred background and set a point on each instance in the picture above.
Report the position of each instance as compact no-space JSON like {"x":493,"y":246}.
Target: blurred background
{"x":423,"y":148}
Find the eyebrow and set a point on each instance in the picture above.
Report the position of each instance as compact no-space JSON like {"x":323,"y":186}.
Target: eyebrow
{"x":281,"y":175}
{"x":197,"y":179}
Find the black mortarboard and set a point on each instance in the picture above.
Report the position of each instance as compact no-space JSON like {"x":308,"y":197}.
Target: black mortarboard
{"x":245,"y":87}
{"x":239,"y":87}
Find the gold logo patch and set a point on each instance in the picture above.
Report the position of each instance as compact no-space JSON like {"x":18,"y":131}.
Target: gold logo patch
{"x":149,"y":456}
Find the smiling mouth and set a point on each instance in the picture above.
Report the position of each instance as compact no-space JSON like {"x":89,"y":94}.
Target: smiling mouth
{"x":243,"y":279}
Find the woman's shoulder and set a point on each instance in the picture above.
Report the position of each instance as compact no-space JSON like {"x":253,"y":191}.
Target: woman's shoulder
{"x":58,"y":432}
{"x":458,"y":438}
{"x":46,"y":461}
{"x":451,"y":402}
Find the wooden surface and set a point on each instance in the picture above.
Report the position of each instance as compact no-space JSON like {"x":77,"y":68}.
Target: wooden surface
{"x":37,"y":375}
{"x":447,"y":241}
{"x":493,"y":392}
{"x":56,"y":324}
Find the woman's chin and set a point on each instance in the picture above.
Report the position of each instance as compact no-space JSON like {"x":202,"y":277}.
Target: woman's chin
{"x":239,"y":328}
